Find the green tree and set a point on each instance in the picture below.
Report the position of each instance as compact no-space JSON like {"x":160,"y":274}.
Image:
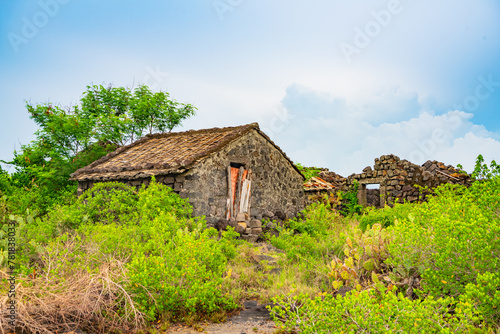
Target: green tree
{"x":482,"y":171}
{"x":72,"y":137}
{"x":122,"y":115}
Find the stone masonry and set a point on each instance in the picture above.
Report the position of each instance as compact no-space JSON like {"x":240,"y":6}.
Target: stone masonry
{"x":401,"y":180}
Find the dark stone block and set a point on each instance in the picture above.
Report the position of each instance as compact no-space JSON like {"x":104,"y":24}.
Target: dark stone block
{"x":280,"y":214}
{"x":192,"y":177}
{"x":232,"y":222}
{"x":222,"y":224}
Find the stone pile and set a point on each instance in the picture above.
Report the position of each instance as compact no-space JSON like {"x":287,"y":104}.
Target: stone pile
{"x":252,"y":229}
{"x":335,"y":179}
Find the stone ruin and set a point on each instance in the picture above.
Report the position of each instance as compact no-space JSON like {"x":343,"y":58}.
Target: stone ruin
{"x":403,"y":181}
{"x":393,"y":179}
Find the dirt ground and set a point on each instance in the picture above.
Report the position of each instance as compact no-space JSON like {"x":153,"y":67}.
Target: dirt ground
{"x":253,"y":319}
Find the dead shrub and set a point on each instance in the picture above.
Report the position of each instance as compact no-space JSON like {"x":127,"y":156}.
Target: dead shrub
{"x":67,"y":297}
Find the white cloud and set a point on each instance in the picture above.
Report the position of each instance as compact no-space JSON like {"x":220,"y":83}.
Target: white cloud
{"x":346,"y":135}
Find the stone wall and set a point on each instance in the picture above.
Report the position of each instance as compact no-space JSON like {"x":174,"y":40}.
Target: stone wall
{"x":175,"y":181}
{"x":400,"y":179}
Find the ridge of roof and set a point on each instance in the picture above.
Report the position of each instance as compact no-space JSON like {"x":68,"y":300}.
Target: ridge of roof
{"x":93,"y":172}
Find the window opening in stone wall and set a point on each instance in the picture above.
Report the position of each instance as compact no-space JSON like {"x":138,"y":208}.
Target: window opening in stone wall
{"x":238,"y":193}
{"x":373,"y":195}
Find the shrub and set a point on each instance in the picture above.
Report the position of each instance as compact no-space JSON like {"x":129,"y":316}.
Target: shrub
{"x":38,"y":200}
{"x":349,"y":200}
{"x":75,"y":287}
{"x":175,"y":267}
{"x":183,"y":276}
{"x":317,"y":219}
{"x":384,"y":216}
{"x":308,"y":172}
{"x":370,"y":312}
{"x":483,"y":172}
{"x":364,"y":256}
{"x":484,"y":295}
{"x":450,"y":239}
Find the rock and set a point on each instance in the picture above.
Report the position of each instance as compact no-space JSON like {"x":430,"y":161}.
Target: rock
{"x":258,"y":217}
{"x":343,"y":290}
{"x":267,"y":214}
{"x":271,"y":225}
{"x":256,"y":230}
{"x":232,"y":222}
{"x":269,"y":259}
{"x":248,"y":230}
{"x":250,"y":237}
{"x":240,"y":217}
{"x":280,"y":214}
{"x":240,"y":229}
{"x":222,"y":224}
{"x":274,"y":232}
{"x":275,"y":271}
{"x":367,"y":169}
{"x":407,"y":188}
{"x":254,"y":223}
{"x":249,"y":304}
{"x":271,"y":248}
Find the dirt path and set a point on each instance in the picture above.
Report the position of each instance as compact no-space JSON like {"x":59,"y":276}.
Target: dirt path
{"x":253,"y":319}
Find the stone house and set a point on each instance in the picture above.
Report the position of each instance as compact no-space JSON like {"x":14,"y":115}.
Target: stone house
{"x":222,"y":171}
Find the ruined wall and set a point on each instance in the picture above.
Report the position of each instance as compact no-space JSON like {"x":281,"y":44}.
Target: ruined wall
{"x":276,"y":185}
{"x":399,"y":179}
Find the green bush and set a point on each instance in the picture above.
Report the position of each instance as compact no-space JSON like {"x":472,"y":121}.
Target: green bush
{"x":484,"y":296}
{"x":384,"y":216}
{"x":183,"y":276}
{"x":349,"y":198}
{"x":370,"y":312}
{"x":175,"y":267}
{"x":38,"y":200}
{"x":317,"y":219}
{"x":450,"y":239}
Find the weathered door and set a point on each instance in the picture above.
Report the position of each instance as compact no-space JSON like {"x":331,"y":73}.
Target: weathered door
{"x":239,"y":188}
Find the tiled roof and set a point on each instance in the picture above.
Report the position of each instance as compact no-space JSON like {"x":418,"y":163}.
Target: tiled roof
{"x":317,"y":183}
{"x":161,"y":154}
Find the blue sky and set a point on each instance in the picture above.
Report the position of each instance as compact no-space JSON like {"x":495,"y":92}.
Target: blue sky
{"x":333,"y":83}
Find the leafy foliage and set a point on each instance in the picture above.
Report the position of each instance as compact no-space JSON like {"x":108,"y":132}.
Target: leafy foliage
{"x":174,"y":267}
{"x":317,"y":219}
{"x":122,"y":115}
{"x":349,"y":200}
{"x":483,"y":172}
{"x":364,"y":257}
{"x":308,"y":172}
{"x":430,"y":267}
{"x":73,"y":137}
{"x":384,"y":216}
{"x":370,"y":312}
{"x":484,"y":295}
{"x":450,"y":239}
